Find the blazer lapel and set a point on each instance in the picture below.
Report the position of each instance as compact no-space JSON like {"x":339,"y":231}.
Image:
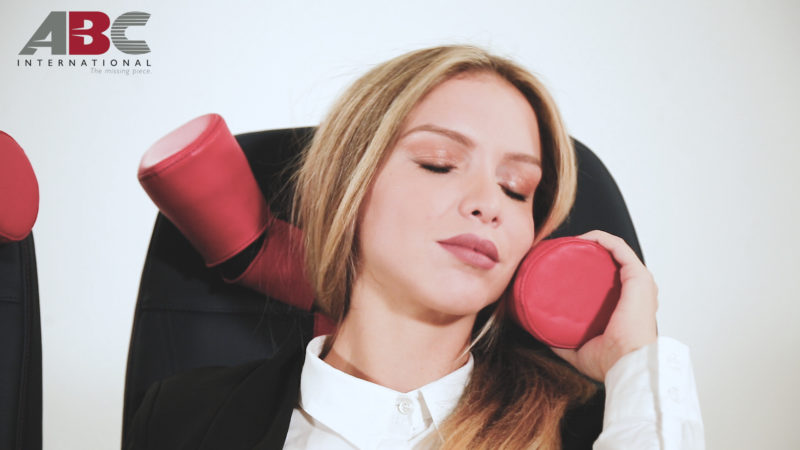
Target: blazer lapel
{"x":258,"y":410}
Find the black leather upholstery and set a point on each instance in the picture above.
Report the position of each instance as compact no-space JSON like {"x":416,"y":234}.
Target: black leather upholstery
{"x":20,"y":348}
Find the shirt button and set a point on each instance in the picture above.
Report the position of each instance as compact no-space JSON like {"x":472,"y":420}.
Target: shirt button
{"x":404,"y":406}
{"x":673,"y":394}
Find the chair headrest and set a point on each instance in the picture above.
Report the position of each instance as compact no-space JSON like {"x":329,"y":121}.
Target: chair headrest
{"x":19,"y":192}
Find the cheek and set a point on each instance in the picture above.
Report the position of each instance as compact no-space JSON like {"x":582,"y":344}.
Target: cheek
{"x":405,"y":198}
{"x":394,"y":212}
{"x":522,"y":235}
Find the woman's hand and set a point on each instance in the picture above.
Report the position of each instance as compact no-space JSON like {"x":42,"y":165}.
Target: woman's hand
{"x":633,"y":322}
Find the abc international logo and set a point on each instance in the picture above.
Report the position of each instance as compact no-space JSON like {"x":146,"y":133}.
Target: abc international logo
{"x":77,"y":39}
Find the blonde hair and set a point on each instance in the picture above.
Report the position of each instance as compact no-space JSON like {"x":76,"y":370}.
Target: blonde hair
{"x":516,"y":396}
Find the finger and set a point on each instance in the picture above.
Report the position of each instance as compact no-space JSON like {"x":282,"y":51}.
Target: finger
{"x":622,"y":252}
{"x":619,"y":249}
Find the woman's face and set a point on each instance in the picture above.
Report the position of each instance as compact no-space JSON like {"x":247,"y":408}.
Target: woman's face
{"x":450,"y":214}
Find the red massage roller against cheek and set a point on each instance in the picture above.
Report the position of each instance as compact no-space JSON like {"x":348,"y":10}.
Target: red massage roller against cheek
{"x":565,"y":291}
{"x":19,"y":192}
{"x":200,"y":179}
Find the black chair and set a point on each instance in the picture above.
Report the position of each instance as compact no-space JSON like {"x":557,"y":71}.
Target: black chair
{"x":187,"y":317}
{"x":20,"y":348}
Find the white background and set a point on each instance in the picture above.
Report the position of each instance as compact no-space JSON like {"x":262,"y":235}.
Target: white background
{"x":691,"y":105}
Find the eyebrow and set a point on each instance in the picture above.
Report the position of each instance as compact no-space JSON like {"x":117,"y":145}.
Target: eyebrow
{"x":464,"y":140}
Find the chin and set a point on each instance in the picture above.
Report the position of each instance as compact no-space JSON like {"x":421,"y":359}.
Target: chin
{"x":461,"y":302}
{"x":473,"y":291}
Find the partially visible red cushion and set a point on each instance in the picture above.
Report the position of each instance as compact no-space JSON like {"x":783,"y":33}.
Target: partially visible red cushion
{"x":201,"y":181}
{"x":19,"y":192}
{"x":565,"y":291}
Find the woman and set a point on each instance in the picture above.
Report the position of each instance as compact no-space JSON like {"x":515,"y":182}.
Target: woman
{"x":420,"y":194}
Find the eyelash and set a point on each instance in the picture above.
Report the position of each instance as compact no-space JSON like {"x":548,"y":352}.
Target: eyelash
{"x":437,"y":169}
{"x":447,"y":168}
{"x":515,"y":195}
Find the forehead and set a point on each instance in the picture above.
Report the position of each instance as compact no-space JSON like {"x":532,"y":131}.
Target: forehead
{"x":486,"y":108}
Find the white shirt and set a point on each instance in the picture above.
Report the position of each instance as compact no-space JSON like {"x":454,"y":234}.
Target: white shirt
{"x":651,"y":403}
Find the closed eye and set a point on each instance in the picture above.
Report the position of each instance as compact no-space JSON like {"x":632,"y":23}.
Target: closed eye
{"x":447,"y":168}
{"x":514,"y":195}
{"x":437,"y":169}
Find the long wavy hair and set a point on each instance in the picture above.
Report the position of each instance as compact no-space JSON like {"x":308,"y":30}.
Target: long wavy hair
{"x":516,"y":396}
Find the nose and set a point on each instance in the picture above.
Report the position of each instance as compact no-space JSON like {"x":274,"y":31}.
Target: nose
{"x":482,"y":200}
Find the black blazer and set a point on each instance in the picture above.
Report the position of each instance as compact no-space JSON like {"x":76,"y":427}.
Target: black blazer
{"x":250,"y":406}
{"x":242,"y":407}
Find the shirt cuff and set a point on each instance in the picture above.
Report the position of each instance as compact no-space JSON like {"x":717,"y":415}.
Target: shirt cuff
{"x":651,"y":397}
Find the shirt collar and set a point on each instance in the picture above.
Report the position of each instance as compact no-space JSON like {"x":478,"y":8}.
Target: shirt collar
{"x":363,"y":412}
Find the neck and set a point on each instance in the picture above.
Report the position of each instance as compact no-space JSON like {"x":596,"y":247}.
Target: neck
{"x":401,"y":351}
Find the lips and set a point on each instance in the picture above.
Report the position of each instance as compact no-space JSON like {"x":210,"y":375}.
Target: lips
{"x":472,"y":250}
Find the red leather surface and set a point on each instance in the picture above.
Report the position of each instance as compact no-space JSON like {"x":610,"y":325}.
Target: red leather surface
{"x":19,"y":192}
{"x":565,"y":291}
{"x":199,"y":178}
{"x":323,"y":325}
{"x":278,"y":269}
